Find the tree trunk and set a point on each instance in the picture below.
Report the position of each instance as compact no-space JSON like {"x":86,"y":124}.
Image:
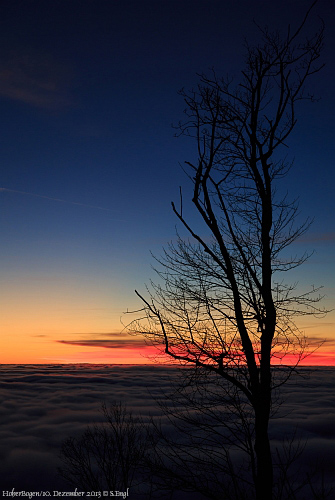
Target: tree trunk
{"x":264,"y":474}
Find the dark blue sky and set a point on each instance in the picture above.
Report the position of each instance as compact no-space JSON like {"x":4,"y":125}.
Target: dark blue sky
{"x":89,"y":161}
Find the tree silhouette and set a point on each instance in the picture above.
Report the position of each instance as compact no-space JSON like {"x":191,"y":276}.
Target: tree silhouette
{"x":221,"y":303}
{"x":208,"y":448}
{"x":110,"y":455}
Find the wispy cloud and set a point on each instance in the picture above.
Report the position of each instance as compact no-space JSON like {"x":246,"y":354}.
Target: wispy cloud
{"x":325,"y":342}
{"x":34,"y":78}
{"x":317,"y":237}
{"x":110,"y":340}
{"x":109,"y":344}
{"x":318,"y":325}
{"x":52,"y":199}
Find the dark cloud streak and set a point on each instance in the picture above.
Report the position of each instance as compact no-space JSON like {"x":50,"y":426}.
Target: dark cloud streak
{"x":109,"y":344}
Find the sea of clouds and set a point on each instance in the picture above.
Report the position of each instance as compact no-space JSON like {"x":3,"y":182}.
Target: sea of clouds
{"x":42,"y":405}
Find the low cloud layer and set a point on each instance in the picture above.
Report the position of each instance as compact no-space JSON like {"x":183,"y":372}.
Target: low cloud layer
{"x":42,"y":405}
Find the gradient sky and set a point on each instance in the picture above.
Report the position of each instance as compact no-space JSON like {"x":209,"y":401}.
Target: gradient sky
{"x":90,"y":164}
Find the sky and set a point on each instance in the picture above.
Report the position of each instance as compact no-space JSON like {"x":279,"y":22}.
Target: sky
{"x":90,"y":164}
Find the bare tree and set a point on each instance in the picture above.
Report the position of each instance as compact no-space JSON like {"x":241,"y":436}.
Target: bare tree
{"x":207,"y":447}
{"x":221,"y":303}
{"x":110,"y":455}
{"x":199,"y":448}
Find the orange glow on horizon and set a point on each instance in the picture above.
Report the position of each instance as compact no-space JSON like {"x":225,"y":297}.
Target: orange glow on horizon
{"x":47,"y":351}
{"x":43,"y":330}
{"x":318,"y":358}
